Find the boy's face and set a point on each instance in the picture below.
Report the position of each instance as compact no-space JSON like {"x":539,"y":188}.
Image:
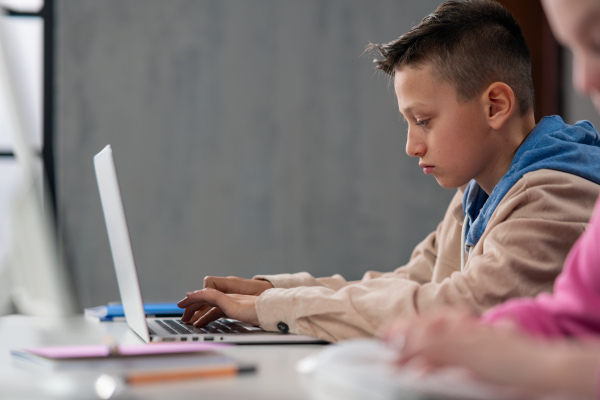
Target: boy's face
{"x":576,"y":24}
{"x":451,"y":138}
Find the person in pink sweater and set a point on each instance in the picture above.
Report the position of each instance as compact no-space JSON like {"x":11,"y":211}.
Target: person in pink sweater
{"x":550,"y":343}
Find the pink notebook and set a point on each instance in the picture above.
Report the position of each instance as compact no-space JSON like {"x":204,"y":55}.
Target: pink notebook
{"x":155,"y":355}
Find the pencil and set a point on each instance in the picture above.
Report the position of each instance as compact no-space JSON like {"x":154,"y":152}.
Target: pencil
{"x":141,"y":377}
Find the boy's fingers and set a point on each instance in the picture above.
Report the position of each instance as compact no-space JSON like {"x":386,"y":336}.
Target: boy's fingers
{"x":200,"y":300}
{"x":190,"y":311}
{"x":198,"y":314}
{"x":190,"y":298}
{"x":198,"y":295}
{"x":183,"y":303}
{"x":207,"y":298}
{"x":229,"y":284}
{"x":235,"y":285}
{"x":212,"y":315}
{"x":206,"y":305}
{"x":218,"y":283}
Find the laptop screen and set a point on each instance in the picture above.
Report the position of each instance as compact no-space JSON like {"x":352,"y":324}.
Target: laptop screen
{"x":120,"y":242}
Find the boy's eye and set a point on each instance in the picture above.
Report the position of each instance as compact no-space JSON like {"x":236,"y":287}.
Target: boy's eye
{"x":422,"y":123}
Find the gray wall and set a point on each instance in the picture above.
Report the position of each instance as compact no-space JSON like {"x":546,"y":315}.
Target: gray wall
{"x":250,"y":137}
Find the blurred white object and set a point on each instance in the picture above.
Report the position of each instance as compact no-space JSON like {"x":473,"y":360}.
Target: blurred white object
{"x":74,"y":386}
{"x":23,"y":5}
{"x":23,"y":41}
{"x":24,"y":46}
{"x":365,"y":369}
{"x":40,"y":280}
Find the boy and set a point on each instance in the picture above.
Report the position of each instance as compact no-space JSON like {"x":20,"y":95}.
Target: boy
{"x":463,"y":83}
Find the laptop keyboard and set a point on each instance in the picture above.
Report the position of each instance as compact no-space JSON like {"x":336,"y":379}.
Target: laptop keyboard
{"x":176,"y":327}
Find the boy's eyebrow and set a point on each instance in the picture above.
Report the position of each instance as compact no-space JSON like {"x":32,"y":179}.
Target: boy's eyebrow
{"x":410,"y":108}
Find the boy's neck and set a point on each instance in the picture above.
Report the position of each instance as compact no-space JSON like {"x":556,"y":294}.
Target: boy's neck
{"x":514,"y":132}
{"x":525,"y":125}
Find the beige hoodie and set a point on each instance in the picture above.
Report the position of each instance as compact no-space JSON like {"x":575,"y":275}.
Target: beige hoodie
{"x":520,"y":254}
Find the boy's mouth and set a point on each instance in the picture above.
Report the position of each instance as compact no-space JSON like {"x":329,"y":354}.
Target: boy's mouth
{"x":427,"y":169}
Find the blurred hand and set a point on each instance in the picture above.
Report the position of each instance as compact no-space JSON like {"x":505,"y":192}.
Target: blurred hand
{"x":452,"y":338}
{"x":500,"y":354}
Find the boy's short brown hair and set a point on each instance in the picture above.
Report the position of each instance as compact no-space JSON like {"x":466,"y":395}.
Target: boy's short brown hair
{"x":470,"y":44}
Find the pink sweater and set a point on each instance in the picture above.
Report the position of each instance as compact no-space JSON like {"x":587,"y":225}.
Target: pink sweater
{"x":574,"y":307}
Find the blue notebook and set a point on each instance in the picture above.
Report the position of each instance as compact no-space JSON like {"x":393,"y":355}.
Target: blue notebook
{"x":111,"y":311}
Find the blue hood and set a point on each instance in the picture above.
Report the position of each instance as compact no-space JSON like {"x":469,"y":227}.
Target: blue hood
{"x":552,"y":144}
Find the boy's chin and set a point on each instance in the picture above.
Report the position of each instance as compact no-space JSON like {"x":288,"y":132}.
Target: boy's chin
{"x":450,"y":185}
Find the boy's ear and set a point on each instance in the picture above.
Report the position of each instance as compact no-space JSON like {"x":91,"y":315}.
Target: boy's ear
{"x":499,"y":100}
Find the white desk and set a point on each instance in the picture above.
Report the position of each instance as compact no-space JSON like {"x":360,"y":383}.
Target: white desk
{"x":276,"y":377}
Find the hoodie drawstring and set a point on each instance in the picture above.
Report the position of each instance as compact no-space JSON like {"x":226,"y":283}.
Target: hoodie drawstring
{"x":463,"y":235}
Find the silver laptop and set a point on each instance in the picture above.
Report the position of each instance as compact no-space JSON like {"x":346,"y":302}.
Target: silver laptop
{"x":162,"y":329}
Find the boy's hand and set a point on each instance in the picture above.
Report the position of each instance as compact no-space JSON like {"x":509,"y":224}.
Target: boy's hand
{"x":230,"y":296}
{"x":206,"y":305}
{"x":233,"y":284}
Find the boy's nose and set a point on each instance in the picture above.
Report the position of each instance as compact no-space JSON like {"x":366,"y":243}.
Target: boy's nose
{"x":414,"y":146}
